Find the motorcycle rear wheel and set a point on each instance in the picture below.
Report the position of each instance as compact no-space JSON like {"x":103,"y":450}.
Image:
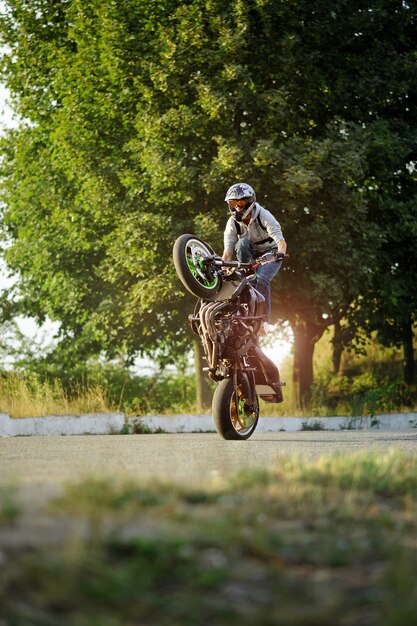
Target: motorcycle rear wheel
{"x":235,"y":413}
{"x":188,"y":255}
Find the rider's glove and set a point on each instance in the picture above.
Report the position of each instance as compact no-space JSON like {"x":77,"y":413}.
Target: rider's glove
{"x":279,"y":256}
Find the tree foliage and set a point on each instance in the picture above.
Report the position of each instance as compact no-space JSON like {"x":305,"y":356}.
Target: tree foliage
{"x":135,"y":118}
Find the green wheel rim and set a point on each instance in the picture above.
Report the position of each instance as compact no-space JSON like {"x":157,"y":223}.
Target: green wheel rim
{"x":198,"y":271}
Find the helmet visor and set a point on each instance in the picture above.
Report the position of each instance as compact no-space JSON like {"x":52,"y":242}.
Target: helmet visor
{"x":237,"y":204}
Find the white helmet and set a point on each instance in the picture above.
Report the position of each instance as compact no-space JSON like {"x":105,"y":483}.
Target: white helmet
{"x":240,"y":191}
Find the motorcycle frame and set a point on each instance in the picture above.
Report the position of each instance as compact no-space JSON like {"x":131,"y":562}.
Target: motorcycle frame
{"x":224,"y":361}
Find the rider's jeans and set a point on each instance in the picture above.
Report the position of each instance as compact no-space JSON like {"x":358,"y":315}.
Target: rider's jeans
{"x":264,"y":274}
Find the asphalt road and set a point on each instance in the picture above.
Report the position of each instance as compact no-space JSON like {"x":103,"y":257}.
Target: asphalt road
{"x":186,"y":458}
{"x":37,"y":468}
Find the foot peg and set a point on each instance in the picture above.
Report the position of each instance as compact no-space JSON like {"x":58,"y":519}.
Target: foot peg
{"x":271,"y":393}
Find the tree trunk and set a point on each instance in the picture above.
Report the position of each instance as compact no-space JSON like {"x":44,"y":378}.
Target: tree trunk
{"x":305,"y":337}
{"x":202,"y":385}
{"x":337,"y":347}
{"x":408,"y":351}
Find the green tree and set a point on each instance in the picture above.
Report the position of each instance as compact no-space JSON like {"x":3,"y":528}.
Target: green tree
{"x":391,"y":305}
{"x":89,"y":250}
{"x":231,"y":115}
{"x":356,"y":62}
{"x":379,"y":41}
{"x":136,"y":116}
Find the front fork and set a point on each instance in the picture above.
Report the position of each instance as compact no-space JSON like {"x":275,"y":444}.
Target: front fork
{"x":250,"y":404}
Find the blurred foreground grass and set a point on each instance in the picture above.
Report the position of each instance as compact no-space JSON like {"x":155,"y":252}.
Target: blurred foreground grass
{"x":324,"y":543}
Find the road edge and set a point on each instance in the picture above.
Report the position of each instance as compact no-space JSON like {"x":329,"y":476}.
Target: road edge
{"x":118,"y":423}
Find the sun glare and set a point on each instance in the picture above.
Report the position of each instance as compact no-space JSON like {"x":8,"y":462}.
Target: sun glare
{"x":278,"y":344}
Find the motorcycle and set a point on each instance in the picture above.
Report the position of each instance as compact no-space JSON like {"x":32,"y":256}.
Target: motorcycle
{"x":228,"y":317}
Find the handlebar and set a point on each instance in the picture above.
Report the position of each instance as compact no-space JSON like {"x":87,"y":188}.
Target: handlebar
{"x":268,"y":257}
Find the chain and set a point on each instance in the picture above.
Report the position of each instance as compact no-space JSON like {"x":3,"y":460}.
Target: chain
{"x":235,"y":377}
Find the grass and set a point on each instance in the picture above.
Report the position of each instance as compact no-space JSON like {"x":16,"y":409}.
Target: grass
{"x":29,"y":396}
{"x":323,"y":543}
{"x":9,"y":507}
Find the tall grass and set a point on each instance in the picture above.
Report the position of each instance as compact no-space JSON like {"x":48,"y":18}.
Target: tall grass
{"x":30,"y":396}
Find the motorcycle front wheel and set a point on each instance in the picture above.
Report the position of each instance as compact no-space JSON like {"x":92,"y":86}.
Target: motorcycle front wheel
{"x":235,"y":412}
{"x":189,"y":254}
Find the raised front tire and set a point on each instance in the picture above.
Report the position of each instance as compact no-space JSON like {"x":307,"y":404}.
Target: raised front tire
{"x":235,"y":413}
{"x":199,"y":278}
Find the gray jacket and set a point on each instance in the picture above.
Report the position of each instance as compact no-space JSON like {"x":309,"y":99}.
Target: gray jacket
{"x":263,"y":231}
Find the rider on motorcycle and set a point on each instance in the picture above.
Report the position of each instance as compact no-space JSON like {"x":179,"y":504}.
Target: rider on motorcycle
{"x":250,"y":232}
